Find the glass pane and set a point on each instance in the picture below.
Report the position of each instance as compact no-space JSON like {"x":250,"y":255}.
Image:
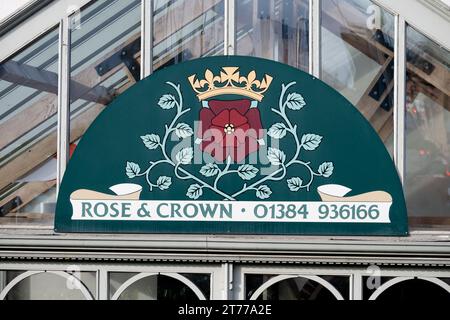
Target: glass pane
{"x":159,"y":287}
{"x":415,"y":289}
{"x":187,"y":29}
{"x":298,"y":288}
{"x":427,"y":132}
{"x":202,"y":281}
{"x":50,"y":286}
{"x":105,"y":58}
{"x":28,"y":140}
{"x":116,"y":280}
{"x":357,"y":59}
{"x":275,"y":30}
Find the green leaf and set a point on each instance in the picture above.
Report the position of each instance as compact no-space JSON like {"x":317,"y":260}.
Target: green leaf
{"x":167,"y":101}
{"x":210,"y":170}
{"x":183,"y":131}
{"x":195,"y":191}
{"x":276,"y":156}
{"x":151,"y":141}
{"x":263,"y":192}
{"x":295,"y":101}
{"x":185,"y":156}
{"x":326,"y":169}
{"x":311,"y":142}
{"x":295,"y":184}
{"x":277,"y":131}
{"x":164,"y":182}
{"x":132,"y":170}
{"x":247,"y":172}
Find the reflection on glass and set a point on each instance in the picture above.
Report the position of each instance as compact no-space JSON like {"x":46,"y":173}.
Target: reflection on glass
{"x":298,"y":288}
{"x":414,"y":289}
{"x":357,"y":59}
{"x":159,"y":287}
{"x":202,"y":281}
{"x":28,"y":106}
{"x":275,"y":30}
{"x":116,"y":280}
{"x":50,"y":286}
{"x":187,"y":29}
{"x":105,"y":58}
{"x":427,"y":131}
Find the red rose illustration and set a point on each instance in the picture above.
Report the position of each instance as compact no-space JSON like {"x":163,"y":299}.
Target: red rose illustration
{"x":230,"y":129}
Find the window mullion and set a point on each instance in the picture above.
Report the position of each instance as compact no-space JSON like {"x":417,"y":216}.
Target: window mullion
{"x":230,"y":27}
{"x":63,"y":140}
{"x":147,"y":38}
{"x":314,"y":37}
{"x":399,"y":94}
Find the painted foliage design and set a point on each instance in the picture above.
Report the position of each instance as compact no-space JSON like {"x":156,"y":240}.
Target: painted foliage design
{"x":229,"y":131}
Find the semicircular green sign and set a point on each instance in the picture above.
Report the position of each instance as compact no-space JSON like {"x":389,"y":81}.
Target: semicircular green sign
{"x":235,"y":145}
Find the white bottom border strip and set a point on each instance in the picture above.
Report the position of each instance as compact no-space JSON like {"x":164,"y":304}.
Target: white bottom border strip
{"x":231,"y":211}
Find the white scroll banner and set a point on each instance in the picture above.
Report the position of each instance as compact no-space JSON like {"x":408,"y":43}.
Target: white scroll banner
{"x":372,"y":207}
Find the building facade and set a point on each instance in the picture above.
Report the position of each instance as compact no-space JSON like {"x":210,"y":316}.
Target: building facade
{"x":63,"y":62}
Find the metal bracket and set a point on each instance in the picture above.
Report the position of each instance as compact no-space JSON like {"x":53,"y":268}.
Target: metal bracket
{"x":411,"y":57}
{"x":422,"y":64}
{"x":10,"y":206}
{"x":388,"y":102}
{"x":382,"y":83}
{"x":125,"y":56}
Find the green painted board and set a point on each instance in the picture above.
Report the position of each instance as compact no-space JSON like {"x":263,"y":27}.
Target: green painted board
{"x":231,"y":145}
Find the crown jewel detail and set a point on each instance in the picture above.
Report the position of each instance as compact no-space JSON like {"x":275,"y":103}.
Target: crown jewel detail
{"x":230,"y":82}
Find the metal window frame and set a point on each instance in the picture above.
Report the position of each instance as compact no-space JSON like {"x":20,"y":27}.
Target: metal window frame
{"x":227,"y":279}
{"x":399,"y":95}
{"x":243,"y":270}
{"x":355,"y":275}
{"x":218,"y":278}
{"x":422,"y":15}
{"x":415,"y":13}
{"x":147,"y":38}
{"x":63,"y":113}
{"x":230,"y":27}
{"x":315,"y":48}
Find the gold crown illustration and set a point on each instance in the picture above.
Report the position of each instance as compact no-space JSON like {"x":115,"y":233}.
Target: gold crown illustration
{"x":230,"y":82}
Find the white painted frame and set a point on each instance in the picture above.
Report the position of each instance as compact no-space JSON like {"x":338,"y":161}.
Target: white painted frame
{"x":63,"y":125}
{"x":217,"y":278}
{"x":427,"y":19}
{"x":355,"y":275}
{"x":288,"y":272}
{"x":228,"y":279}
{"x":400,"y":95}
{"x":146,"y":38}
{"x":315,"y":50}
{"x":230,"y":27}
{"x":281,"y":278}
